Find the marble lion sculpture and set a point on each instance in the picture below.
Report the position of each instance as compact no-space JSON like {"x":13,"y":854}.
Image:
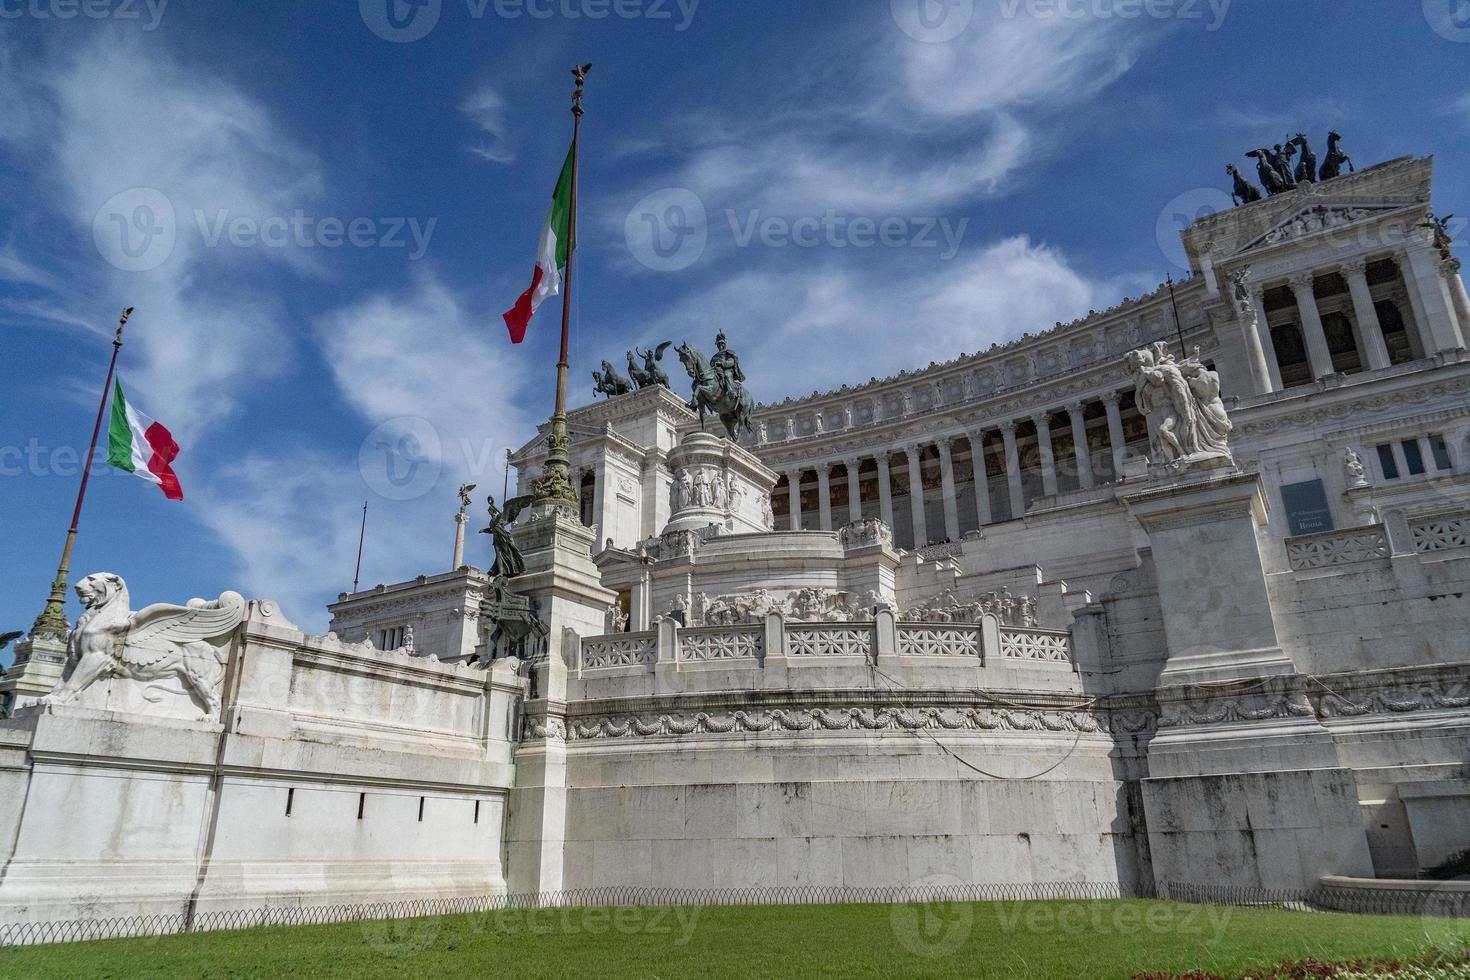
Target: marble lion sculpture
{"x":161,"y":642}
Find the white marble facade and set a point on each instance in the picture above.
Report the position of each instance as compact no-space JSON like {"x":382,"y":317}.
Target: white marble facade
{"x":1245,"y":663}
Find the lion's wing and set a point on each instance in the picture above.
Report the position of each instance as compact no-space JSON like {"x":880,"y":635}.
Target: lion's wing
{"x":158,"y":628}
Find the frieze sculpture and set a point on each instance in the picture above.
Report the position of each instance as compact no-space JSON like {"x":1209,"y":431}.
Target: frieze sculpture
{"x":650,"y":375}
{"x":509,"y":562}
{"x":866,"y":534}
{"x":808,"y":605}
{"x":610,"y":382}
{"x":719,"y":388}
{"x":1336,"y":158}
{"x":1183,"y":400}
{"x":159,"y":643}
{"x":1011,"y":610}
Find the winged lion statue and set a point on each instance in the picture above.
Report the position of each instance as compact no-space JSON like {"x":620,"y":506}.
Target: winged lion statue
{"x":159,"y":643}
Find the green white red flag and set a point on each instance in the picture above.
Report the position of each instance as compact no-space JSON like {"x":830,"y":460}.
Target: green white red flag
{"x":551,"y":257}
{"x":140,"y":446}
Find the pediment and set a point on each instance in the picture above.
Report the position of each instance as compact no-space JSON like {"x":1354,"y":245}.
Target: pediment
{"x":1315,"y":220}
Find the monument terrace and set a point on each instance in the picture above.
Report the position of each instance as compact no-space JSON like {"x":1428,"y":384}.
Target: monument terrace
{"x":1137,"y":601}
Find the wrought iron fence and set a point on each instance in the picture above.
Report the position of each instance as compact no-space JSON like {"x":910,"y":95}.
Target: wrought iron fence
{"x":1426,"y":901}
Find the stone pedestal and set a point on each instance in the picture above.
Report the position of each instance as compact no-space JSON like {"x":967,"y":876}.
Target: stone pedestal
{"x":38,"y":666}
{"x":1245,"y":785}
{"x":561,"y":576}
{"x":716,"y":483}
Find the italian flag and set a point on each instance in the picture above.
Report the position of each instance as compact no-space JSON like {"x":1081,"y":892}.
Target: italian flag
{"x":141,"y":446}
{"x":551,"y":257}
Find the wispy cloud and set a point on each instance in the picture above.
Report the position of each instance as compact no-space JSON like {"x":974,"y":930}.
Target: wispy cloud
{"x":486,"y":108}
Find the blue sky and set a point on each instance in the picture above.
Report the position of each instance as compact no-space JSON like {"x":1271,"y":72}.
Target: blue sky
{"x":847,"y":189}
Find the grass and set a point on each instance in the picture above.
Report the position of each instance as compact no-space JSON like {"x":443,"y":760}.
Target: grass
{"x":943,"y":940}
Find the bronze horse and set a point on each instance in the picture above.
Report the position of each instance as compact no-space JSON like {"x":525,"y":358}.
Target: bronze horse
{"x":732,"y":404}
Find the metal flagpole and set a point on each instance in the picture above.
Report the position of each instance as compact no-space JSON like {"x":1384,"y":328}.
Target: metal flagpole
{"x":1178,"y":327}
{"x":555,"y":485}
{"x":361,"y":537}
{"x":52,"y":621}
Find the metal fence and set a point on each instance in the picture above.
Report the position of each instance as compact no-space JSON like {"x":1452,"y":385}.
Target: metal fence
{"x":1428,"y":901}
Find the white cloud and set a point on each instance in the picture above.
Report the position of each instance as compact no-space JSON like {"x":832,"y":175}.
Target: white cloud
{"x":410,"y":362}
{"x":808,"y":330}
{"x":486,"y":107}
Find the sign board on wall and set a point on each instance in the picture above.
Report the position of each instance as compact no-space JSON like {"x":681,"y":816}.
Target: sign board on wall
{"x":1307,"y":510}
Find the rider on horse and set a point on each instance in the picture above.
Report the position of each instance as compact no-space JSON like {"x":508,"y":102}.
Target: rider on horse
{"x":726,"y":364}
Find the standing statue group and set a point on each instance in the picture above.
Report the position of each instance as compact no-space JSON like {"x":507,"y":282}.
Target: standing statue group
{"x":1277,"y":174}
{"x":612,"y":384}
{"x":719,"y":383}
{"x":1182,"y":399}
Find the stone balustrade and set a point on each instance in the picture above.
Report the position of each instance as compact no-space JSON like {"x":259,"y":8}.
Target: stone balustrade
{"x":797,"y":643}
{"x":1443,"y":533}
{"x":1307,"y":552}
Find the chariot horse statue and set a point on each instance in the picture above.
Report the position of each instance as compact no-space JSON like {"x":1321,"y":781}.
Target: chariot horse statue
{"x":719,"y":388}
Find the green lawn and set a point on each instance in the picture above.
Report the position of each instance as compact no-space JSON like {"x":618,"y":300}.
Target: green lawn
{"x":1004,"y":939}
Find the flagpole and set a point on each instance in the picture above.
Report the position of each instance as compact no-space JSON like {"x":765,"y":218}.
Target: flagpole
{"x":361,"y":538}
{"x":52,"y":621}
{"x":555,"y":485}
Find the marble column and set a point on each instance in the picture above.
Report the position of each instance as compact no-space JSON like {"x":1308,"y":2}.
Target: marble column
{"x":1013,"y":470}
{"x":854,"y":491}
{"x":1263,"y":332}
{"x":916,"y":497}
{"x":793,"y":490}
{"x":1365,"y":317}
{"x":1116,"y":437}
{"x":982,"y":479}
{"x":1318,"y":355}
{"x":1450,"y":268}
{"x":1079,"y":444}
{"x":824,"y":495}
{"x":1048,"y":460}
{"x":1439,"y":329}
{"x":951,"y":504}
{"x":1400,"y":458}
{"x":460,"y":520}
{"x":885,"y":489}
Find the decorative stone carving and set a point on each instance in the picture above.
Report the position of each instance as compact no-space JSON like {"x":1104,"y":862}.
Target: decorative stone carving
{"x":1183,"y":399}
{"x":809,"y":605}
{"x":617,"y":620}
{"x":158,"y":644}
{"x":866,"y":534}
{"x":1354,"y":470}
{"x":1011,"y":610}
